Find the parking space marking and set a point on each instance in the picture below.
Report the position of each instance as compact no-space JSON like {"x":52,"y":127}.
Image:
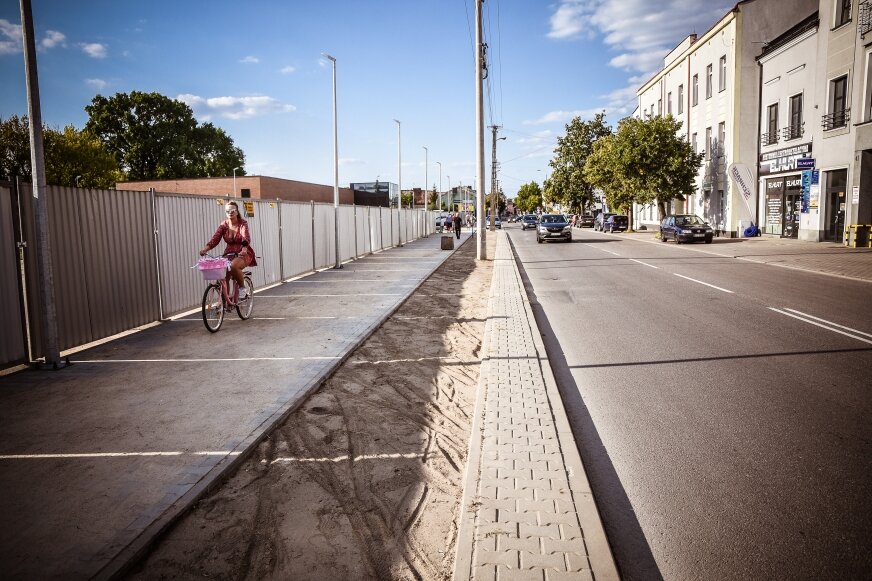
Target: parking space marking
{"x":289,"y":459}
{"x":113,"y":455}
{"x":824,"y":324}
{"x":705,"y":283}
{"x":644,"y":263}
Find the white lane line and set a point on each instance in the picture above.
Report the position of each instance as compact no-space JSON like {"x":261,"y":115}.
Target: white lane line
{"x":829,"y":322}
{"x":200,"y":319}
{"x":705,"y":283}
{"x":609,"y":251}
{"x":288,"y":459}
{"x":822,"y":326}
{"x":215,"y":360}
{"x":113,"y":455}
{"x":644,"y":263}
{"x":346,"y":280}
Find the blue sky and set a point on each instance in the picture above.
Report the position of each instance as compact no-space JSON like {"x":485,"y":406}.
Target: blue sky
{"x":255,"y":69}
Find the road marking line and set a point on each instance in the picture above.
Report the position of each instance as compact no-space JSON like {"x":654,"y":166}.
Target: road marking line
{"x":828,"y":322}
{"x":705,"y":283}
{"x":344,"y":458}
{"x":824,"y":326}
{"x":113,"y":455}
{"x":345,"y":280}
{"x":645,"y":263}
{"x":343,"y":295}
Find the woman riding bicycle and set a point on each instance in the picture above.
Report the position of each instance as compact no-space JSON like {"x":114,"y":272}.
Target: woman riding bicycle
{"x":235,"y":233}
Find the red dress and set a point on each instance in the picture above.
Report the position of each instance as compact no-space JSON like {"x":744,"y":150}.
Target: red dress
{"x":234,"y":241}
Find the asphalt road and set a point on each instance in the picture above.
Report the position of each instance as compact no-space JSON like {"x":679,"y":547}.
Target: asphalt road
{"x":724,"y":439}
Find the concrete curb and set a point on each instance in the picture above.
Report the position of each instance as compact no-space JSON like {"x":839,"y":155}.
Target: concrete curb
{"x":133,"y":551}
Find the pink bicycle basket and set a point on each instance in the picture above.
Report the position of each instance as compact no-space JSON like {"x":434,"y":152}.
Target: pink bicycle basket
{"x":213,"y":268}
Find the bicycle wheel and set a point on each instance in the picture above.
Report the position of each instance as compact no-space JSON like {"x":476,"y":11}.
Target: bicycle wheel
{"x":243,"y":307}
{"x":213,"y":308}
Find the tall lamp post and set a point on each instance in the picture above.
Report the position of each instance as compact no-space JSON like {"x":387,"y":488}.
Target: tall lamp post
{"x":449,"y":194}
{"x":439,"y":163}
{"x":234,"y":181}
{"x":335,"y":167}
{"x":400,"y":182}
{"x":421,"y":220}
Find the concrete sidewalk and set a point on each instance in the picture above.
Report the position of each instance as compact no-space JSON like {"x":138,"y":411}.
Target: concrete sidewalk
{"x":527,"y":511}
{"x":98,"y":458}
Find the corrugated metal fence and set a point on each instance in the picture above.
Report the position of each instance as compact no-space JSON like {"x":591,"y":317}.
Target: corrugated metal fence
{"x":122,"y":259}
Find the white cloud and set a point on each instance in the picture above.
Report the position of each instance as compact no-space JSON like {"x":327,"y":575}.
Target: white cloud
{"x":536,"y":139}
{"x":571,"y":19}
{"x":96,"y":83}
{"x":234,"y":107}
{"x":250,"y":60}
{"x":94,"y":49}
{"x":52,"y":39}
{"x":562,"y":116}
{"x":346,"y":161}
{"x":11,"y":37}
{"x":288,"y":70}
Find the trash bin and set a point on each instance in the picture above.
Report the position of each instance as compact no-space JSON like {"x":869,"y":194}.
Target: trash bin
{"x":448,"y":243}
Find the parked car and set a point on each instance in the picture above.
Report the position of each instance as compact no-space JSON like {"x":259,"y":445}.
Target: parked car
{"x":497,"y":222}
{"x":615,"y":223}
{"x":685,"y":228}
{"x":600,"y":218}
{"x":440,"y":222}
{"x":584,"y":221}
{"x":529,"y":221}
{"x":553,"y":227}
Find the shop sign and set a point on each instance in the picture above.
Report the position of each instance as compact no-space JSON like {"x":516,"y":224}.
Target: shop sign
{"x":805,"y":163}
{"x":811,"y":190}
{"x":785,"y":159}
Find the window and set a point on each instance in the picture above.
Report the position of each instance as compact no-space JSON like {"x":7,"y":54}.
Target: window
{"x":794,"y":128}
{"x":660,"y":107}
{"x":838,"y":106}
{"x":694,"y":95}
{"x":843,"y":12}
{"x":680,"y":99}
{"x":722,"y":74}
{"x":771,"y":135}
{"x":669,"y":103}
{"x":693,"y":143}
{"x":708,"y":82}
{"x":708,"y":142}
{"x":246,"y":192}
{"x":722,"y":136}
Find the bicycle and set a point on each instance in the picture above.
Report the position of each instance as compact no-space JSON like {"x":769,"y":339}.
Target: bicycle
{"x":217,"y":298}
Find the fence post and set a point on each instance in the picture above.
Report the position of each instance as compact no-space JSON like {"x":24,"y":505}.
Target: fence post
{"x":155,"y":234}
{"x":312,"y":202}
{"x":281,"y":242}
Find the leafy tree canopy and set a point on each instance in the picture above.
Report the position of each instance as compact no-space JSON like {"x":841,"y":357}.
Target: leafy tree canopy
{"x":529,"y":197}
{"x":155,"y":137}
{"x":646,"y":161}
{"x":69,"y":154}
{"x":568,"y":185}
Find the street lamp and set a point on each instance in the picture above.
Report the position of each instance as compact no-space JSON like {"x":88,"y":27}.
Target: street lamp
{"x":335,"y":167}
{"x":400,"y":182}
{"x":234,"y":180}
{"x":449,"y":194}
{"x":439,"y":163}
{"x":77,"y":180}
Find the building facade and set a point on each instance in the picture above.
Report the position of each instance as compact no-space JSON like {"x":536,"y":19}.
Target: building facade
{"x":711,"y":83}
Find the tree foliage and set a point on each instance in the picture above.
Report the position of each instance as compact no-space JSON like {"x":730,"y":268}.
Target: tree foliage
{"x":568,"y":185}
{"x":155,"y":137}
{"x":529,"y":197}
{"x":68,"y":153}
{"x":645,"y":161}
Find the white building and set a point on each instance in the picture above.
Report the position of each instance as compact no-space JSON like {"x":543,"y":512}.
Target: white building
{"x":711,"y":83}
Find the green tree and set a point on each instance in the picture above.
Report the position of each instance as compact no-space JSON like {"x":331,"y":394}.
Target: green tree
{"x":433,"y":198}
{"x":68,"y":154}
{"x":500,"y":200}
{"x":155,"y":137}
{"x":529,"y":197}
{"x":567,"y":184}
{"x":646,"y":161}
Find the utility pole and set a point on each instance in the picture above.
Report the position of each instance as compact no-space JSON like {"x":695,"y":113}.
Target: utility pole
{"x":480,"y":74}
{"x":50,"y":342}
{"x":494,"y":166}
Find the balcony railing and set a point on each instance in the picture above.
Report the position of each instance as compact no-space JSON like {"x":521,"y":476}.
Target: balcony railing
{"x":770,"y":138}
{"x":864,"y":22}
{"x":793,"y":131}
{"x":836,"y":119}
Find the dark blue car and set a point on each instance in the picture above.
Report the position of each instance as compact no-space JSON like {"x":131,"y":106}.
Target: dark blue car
{"x":685,"y":228}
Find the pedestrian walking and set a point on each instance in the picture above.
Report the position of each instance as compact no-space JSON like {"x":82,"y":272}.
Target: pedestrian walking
{"x":457,"y":224}
{"x":447,"y":223}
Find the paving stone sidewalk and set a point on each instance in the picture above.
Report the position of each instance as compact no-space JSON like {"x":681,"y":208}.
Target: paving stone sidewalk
{"x":528,"y":512}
